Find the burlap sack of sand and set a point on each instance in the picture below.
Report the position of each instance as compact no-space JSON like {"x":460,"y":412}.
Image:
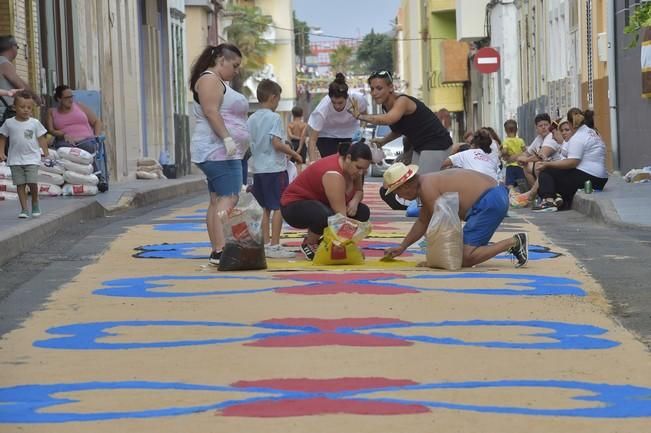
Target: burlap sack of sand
{"x":444,"y":235}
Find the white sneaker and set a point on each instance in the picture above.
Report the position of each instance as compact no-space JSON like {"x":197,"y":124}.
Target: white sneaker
{"x":278,"y":252}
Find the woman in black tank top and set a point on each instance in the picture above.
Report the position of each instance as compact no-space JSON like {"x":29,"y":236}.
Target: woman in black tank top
{"x":409,"y":117}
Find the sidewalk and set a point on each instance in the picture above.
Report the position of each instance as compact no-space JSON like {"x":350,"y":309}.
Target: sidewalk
{"x":18,"y":236}
{"x":620,"y":204}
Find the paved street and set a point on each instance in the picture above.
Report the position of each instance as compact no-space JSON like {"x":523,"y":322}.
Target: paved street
{"x":124,"y":327}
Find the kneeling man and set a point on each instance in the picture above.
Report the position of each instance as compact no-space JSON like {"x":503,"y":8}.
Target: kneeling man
{"x":482,"y":204}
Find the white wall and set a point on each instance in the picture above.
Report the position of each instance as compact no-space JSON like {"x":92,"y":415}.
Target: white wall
{"x":471,"y":17}
{"x":503,"y":86}
{"x":413,"y":48}
{"x":282,"y":55}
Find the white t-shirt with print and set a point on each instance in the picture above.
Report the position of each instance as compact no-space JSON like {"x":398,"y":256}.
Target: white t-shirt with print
{"x":539,"y":142}
{"x":336,"y":124}
{"x":586,"y":146}
{"x":24,"y":149}
{"x":477,"y":160}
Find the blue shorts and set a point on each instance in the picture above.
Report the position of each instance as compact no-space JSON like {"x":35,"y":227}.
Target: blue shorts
{"x":268,"y":187}
{"x":224,"y":177}
{"x":485,"y":216}
{"x":513,"y":173}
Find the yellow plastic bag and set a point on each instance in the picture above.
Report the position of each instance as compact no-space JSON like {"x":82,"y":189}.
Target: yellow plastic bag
{"x":339,"y":245}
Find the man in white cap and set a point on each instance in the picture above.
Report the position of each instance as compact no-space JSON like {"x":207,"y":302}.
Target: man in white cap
{"x":482,"y":204}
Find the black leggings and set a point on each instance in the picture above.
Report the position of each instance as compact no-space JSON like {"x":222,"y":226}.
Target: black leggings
{"x":329,"y":146}
{"x":565,"y":182}
{"x":313,"y":215}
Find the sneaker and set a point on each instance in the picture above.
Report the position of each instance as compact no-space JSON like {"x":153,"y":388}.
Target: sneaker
{"x":214,"y":257}
{"x":519,"y":201}
{"x":521,"y":249}
{"x":309,"y":250}
{"x":23,"y":214}
{"x":36,"y":211}
{"x":558,"y":201}
{"x":278,"y":252}
{"x":546,"y":206}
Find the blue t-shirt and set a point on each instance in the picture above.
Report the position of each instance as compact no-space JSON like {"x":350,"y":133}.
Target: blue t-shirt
{"x":263,"y":126}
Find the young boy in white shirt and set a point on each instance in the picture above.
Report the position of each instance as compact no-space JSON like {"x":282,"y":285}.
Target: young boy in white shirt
{"x":27,"y":136}
{"x":269,"y":164}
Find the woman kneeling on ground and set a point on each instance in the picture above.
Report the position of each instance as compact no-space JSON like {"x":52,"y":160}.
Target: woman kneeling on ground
{"x":586,"y":160}
{"x":332,"y":185}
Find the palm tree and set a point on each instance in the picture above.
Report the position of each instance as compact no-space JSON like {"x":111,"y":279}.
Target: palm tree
{"x":246,"y":32}
{"x":340,"y":58}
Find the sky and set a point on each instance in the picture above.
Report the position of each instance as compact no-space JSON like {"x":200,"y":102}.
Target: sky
{"x":348,"y":18}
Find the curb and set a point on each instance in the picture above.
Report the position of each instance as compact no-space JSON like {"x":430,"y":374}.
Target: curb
{"x":131,"y":199}
{"x":602,"y":211}
{"x":20,"y":239}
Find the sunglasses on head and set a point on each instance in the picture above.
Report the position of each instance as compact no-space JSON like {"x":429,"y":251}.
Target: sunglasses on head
{"x":382,"y":74}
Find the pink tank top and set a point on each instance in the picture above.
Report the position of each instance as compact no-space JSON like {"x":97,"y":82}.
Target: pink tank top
{"x":73,"y":123}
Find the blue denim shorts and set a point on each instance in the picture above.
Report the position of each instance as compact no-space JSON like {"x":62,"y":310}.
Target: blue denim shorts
{"x":224,"y":177}
{"x":485,"y":216}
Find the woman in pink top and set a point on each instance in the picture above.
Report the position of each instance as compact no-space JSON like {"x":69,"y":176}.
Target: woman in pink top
{"x":72,"y":123}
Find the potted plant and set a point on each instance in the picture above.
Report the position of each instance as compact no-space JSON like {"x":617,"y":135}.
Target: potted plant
{"x":639,"y":19}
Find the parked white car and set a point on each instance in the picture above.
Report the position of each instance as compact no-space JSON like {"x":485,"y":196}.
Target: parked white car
{"x":391,"y":151}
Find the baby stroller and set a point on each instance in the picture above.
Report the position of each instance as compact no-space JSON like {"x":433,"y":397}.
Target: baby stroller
{"x":101,"y":164}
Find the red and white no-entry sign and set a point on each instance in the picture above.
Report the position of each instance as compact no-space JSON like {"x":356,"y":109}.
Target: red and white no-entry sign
{"x":487,"y":60}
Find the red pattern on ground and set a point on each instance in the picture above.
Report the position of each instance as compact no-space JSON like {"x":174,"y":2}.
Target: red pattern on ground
{"x":339,"y":283}
{"x":320,"y":406}
{"x":327,"y":335}
{"x":330,"y":339}
{"x":334,"y":324}
{"x":280,"y":407}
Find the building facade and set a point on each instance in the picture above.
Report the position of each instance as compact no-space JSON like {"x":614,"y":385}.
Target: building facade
{"x":632,"y":127}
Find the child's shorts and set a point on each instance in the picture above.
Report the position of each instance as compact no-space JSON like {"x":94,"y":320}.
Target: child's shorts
{"x":22,"y":174}
{"x":513,"y":173}
{"x":268,"y":187}
{"x":485,"y":216}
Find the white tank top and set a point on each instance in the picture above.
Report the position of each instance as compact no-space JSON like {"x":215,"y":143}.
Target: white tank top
{"x":205,"y":144}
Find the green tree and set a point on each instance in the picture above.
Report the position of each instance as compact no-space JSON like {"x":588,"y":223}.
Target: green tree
{"x":341,"y":58}
{"x":246,"y":32}
{"x":301,"y":38}
{"x":375,"y":52}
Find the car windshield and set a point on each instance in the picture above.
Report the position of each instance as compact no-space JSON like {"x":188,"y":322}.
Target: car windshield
{"x":382,"y":131}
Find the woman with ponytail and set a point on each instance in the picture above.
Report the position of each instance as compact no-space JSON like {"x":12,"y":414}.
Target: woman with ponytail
{"x":332,"y":185}
{"x":331,"y":122}
{"x":586,"y":160}
{"x":220,"y":137}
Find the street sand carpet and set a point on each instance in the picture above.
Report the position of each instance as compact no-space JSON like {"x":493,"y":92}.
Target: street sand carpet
{"x":169,"y":344}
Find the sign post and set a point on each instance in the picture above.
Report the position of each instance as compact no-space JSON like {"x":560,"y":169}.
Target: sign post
{"x":487,"y":60}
